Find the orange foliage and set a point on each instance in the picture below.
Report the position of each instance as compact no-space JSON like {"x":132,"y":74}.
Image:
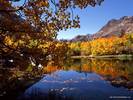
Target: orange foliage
{"x":106,"y":46}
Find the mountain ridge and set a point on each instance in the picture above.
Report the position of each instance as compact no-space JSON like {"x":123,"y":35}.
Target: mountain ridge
{"x":114,"y":27}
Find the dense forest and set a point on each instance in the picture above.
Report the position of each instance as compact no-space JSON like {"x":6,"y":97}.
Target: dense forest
{"x":103,"y":46}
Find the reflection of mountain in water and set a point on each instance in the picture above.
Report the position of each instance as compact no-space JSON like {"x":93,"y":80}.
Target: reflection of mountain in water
{"x":83,"y":79}
{"x":87,"y":75}
{"x":118,"y":72}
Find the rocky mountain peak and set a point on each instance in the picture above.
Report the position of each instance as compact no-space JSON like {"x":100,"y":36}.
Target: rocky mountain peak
{"x":113,"y":28}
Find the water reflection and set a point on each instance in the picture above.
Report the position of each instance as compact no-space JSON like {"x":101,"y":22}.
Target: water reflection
{"x":84,"y":79}
{"x":110,"y":68}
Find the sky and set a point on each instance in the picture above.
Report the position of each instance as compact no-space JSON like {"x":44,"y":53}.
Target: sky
{"x":92,"y":19}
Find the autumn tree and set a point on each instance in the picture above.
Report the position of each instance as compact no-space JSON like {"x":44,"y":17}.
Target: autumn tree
{"x":75,"y":48}
{"x":24,"y":27}
{"x":105,"y":46}
{"x":85,"y":48}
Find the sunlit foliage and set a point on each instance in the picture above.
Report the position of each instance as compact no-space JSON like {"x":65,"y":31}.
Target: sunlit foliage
{"x":28,"y":30}
{"x":75,"y":48}
{"x":105,"y":46}
{"x":85,"y":48}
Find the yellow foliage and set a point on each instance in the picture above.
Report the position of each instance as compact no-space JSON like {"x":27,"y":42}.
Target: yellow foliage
{"x":105,"y":46}
{"x":8,"y":40}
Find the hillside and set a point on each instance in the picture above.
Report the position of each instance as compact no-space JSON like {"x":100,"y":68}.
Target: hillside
{"x":82,"y":38}
{"x":115,"y":27}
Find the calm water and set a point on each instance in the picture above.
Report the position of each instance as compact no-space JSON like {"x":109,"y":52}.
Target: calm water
{"x":83,"y":79}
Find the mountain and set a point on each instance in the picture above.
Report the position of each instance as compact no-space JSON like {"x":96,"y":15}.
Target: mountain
{"x":115,"y":27}
{"x":82,"y":38}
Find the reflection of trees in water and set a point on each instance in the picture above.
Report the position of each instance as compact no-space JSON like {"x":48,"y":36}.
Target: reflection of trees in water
{"x":115,"y":68}
{"x":12,"y":80}
{"x":3,"y":80}
{"x":112,"y":67}
{"x":118,"y":72}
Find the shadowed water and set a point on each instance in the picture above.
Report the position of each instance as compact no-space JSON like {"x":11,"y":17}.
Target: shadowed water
{"x":83,"y":79}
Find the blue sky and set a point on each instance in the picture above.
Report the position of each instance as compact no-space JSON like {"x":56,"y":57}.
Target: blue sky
{"x":92,"y":19}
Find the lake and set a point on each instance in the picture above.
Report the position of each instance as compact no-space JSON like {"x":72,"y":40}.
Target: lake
{"x":84,"y":79}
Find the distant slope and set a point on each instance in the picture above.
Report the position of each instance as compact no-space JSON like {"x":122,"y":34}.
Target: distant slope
{"x":82,"y":38}
{"x":116,"y":27}
{"x":113,"y":28}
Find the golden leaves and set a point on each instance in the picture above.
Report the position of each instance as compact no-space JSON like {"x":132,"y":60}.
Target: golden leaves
{"x":42,"y":3}
{"x":105,"y":46}
{"x":8,"y":40}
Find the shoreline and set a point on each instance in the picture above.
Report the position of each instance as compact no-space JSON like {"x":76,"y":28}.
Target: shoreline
{"x":122,"y":56}
{"x":21,"y":86}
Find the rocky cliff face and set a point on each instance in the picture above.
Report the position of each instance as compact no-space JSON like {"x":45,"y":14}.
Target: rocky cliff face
{"x":113,"y":28}
{"x":116,"y":27}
